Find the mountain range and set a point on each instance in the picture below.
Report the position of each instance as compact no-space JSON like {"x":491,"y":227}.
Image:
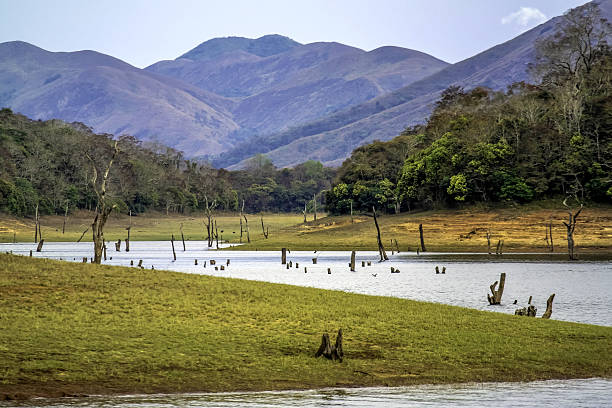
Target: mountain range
{"x":230,"y":98}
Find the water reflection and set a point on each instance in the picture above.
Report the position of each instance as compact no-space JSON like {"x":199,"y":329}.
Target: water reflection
{"x":571,"y":393}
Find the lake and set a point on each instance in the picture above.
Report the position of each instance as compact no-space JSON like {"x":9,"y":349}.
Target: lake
{"x":571,"y":393}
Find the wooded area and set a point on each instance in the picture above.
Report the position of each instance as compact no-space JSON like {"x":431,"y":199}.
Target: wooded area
{"x":46,"y":164}
{"x":530,"y":142}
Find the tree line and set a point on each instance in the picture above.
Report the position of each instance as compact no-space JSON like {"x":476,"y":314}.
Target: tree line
{"x":50,"y":165}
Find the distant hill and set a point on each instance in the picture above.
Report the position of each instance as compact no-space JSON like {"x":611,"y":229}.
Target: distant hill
{"x":113,"y":96}
{"x":331,"y":139}
{"x":231,"y":98}
{"x":262,"y":47}
{"x":222,"y":92}
{"x":278,"y":83}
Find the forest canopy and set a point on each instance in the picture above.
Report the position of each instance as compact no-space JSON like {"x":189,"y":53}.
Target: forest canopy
{"x":47,"y":163}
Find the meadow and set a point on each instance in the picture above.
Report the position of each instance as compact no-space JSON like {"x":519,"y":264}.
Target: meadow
{"x":73,"y":329}
{"x":521,"y":228}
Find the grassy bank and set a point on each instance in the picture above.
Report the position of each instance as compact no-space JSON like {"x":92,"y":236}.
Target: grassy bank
{"x":81,"y":328}
{"x":523,"y":229}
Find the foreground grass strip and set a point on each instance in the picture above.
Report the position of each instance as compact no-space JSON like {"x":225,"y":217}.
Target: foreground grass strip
{"x":81,"y":328}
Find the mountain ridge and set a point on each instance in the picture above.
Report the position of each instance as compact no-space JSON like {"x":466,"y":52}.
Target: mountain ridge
{"x":385,"y":117}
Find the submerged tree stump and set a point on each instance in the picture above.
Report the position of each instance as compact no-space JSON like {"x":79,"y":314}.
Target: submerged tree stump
{"x":529,"y":311}
{"x":330,"y":351}
{"x":40,"y":245}
{"x":549,"y":303}
{"x":497,"y":294}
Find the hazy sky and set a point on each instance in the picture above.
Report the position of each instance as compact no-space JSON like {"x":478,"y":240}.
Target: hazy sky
{"x":145,"y":31}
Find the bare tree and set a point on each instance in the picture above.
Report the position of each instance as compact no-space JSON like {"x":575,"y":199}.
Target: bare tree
{"x":579,"y":37}
{"x":571,"y":225}
{"x":208,"y":211}
{"x":381,"y":248}
{"x":103,"y":208}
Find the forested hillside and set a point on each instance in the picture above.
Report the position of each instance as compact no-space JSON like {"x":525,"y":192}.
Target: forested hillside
{"x":51,"y":164}
{"x":530,"y":142}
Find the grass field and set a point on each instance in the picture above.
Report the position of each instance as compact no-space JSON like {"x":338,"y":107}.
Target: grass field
{"x":71,"y":328}
{"x":521,"y":229}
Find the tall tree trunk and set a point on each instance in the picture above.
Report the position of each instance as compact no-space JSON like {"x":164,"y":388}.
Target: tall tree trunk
{"x":381,"y":248}
{"x":103,"y":210}
{"x":423,"y":249}
{"x":571,"y":225}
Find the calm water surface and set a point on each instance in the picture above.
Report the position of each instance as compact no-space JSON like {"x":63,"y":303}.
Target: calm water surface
{"x":582,"y":288}
{"x":574,"y":393}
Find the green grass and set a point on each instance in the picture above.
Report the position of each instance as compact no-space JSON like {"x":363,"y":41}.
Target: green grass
{"x":82,"y":328}
{"x":148,"y":227}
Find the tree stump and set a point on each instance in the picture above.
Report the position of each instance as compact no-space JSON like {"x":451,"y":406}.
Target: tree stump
{"x":497,"y":294}
{"x":283,"y":256}
{"x":529,"y":311}
{"x":330,"y":351}
{"x":549,"y":303}
{"x":352,"y":264}
{"x":40,"y":245}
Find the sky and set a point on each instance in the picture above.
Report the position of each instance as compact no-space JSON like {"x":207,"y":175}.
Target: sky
{"x":142,"y":32}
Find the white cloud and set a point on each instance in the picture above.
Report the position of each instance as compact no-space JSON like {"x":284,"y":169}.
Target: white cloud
{"x":525,"y":16}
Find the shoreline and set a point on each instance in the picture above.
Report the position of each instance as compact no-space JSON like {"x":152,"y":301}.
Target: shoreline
{"x":76,"y":392}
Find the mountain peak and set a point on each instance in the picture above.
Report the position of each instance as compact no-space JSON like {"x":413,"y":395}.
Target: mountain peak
{"x":265,"y":46}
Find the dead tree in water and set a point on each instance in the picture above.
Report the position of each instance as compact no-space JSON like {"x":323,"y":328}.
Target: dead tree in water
{"x":182,"y":236}
{"x":172,"y":242}
{"x":381,"y":248}
{"x":103,"y":209}
{"x":549,"y":303}
{"x":571,"y":225}
{"x":497,"y":294}
{"x":422,"y":240}
{"x":330,"y":351}
{"x":208,"y":211}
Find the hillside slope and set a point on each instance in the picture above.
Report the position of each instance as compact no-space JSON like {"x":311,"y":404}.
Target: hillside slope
{"x":332,"y":138}
{"x":290,"y":83}
{"x":112,"y":96}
